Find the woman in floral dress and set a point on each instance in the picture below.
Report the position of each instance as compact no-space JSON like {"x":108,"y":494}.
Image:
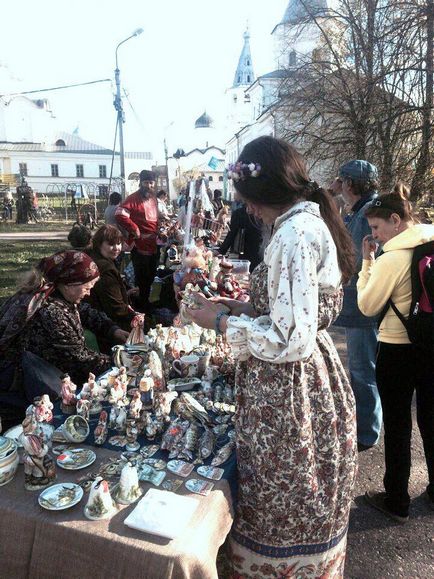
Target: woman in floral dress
{"x":295,"y":421}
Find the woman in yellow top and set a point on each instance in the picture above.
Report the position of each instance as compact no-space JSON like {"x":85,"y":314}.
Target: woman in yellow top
{"x":401,"y":366}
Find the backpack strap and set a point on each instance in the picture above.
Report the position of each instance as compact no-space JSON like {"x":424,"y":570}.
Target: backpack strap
{"x":398,"y":313}
{"x":383,"y":313}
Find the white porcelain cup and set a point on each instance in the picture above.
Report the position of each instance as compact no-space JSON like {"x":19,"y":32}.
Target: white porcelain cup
{"x":187,"y":366}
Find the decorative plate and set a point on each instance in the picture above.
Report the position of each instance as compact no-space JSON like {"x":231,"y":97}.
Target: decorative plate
{"x":60,"y":496}
{"x":76,"y":458}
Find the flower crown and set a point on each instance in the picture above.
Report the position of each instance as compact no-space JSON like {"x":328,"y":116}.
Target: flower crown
{"x":237,"y":171}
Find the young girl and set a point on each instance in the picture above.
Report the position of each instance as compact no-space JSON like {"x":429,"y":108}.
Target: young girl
{"x":401,"y":366}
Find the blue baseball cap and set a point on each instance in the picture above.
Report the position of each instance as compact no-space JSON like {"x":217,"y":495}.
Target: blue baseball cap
{"x":359,"y":170}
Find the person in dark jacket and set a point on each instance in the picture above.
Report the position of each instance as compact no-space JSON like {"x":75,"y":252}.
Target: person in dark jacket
{"x":244,"y":237}
{"x":109,"y":294}
{"x":359,"y":184}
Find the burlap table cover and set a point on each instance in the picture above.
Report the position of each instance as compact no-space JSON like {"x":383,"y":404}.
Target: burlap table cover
{"x":35,"y":543}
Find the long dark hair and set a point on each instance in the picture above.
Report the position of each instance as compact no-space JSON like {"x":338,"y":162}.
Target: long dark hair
{"x":283,"y":180}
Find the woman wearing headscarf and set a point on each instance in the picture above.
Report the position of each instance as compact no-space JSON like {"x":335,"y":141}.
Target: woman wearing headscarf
{"x":46,"y":318}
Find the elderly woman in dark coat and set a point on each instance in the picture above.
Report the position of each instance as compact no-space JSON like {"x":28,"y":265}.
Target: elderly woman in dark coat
{"x":44,"y":320}
{"x":109,"y":294}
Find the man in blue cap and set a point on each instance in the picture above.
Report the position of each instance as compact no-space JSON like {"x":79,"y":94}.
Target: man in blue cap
{"x":359,"y":189}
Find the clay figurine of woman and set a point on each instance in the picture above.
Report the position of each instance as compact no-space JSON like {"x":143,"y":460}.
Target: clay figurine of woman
{"x":69,"y":399}
{"x":135,"y":405}
{"x":146,"y":388}
{"x":83,"y":405}
{"x":39,"y":467}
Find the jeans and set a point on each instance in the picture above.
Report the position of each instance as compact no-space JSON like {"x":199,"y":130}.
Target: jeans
{"x":402,"y":369}
{"x":362,"y":351}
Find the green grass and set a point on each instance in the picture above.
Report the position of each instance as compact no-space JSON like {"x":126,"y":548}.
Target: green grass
{"x":12,"y":227}
{"x":18,"y":257}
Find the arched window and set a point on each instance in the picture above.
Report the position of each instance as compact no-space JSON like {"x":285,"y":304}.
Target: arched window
{"x":60,"y":143}
{"x":248,"y":62}
{"x":239,"y":79}
{"x":248,"y":78}
{"x":292,"y":58}
{"x":210,"y":178}
{"x":221,"y":178}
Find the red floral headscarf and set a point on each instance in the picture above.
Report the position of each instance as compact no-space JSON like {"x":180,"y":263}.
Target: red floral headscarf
{"x":68,"y":267}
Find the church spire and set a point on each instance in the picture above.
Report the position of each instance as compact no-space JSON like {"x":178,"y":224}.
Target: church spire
{"x":244,"y":74}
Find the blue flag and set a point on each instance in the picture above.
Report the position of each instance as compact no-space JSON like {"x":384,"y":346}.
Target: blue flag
{"x":213,"y":163}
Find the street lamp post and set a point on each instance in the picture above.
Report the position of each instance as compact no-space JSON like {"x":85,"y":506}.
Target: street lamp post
{"x":120,"y":113}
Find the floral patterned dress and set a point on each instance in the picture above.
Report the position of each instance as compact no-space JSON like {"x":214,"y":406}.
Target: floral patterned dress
{"x":296,"y":450}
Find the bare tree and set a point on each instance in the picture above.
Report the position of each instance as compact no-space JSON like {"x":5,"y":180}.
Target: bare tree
{"x":366,"y":90}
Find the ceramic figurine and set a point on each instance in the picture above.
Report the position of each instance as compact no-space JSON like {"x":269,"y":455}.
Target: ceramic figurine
{"x":121,"y":419}
{"x":131,"y":435}
{"x":135,"y":404}
{"x":146,"y":388}
{"x":112,"y":376}
{"x":112,"y":417}
{"x":123,"y":378}
{"x":116,"y":392}
{"x":168,"y":360}
{"x":156,"y":370}
{"x":100,"y":504}
{"x":162,"y":404}
{"x":101,"y":430}
{"x":39,"y":467}
{"x":83,"y":405}
{"x":41,"y":411}
{"x":128,"y":490}
{"x":43,"y":408}
{"x":69,"y":400}
{"x":150,"y":428}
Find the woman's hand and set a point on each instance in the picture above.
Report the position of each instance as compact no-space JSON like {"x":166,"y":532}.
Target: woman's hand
{"x":206,"y":314}
{"x":236,"y":307}
{"x":120,"y":336}
{"x":369,"y":247}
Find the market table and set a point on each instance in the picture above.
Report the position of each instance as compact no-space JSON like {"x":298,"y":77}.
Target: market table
{"x":35,"y":543}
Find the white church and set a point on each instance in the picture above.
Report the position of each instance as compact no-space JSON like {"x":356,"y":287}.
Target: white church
{"x":254,"y":102}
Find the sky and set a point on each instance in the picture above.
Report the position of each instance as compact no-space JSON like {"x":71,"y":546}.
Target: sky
{"x":180,"y":66}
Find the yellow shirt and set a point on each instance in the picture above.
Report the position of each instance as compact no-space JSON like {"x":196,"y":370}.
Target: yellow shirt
{"x":389,"y":277}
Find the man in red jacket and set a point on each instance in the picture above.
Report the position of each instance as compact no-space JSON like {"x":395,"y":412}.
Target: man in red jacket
{"x":138,"y":215}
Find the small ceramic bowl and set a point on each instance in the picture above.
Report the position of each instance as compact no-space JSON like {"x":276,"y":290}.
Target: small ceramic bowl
{"x":75,"y":428}
{"x":8,"y":460}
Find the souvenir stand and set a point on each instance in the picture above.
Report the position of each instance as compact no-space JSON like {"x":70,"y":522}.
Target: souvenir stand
{"x":144,"y":455}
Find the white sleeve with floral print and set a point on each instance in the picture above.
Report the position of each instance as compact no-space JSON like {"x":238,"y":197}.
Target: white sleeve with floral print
{"x":302,"y":261}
